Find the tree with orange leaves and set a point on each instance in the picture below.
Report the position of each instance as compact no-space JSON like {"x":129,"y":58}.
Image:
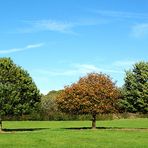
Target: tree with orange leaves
{"x":93,"y":94}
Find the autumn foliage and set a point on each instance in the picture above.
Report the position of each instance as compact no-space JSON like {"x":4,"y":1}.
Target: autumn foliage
{"x":93,"y":94}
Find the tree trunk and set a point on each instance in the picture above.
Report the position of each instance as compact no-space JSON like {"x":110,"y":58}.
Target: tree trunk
{"x":1,"y":126}
{"x":94,"y":121}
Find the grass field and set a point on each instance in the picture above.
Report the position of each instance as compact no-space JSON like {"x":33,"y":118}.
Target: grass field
{"x":125,"y":133}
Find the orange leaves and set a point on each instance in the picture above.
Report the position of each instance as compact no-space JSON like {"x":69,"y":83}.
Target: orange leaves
{"x":94,"y":93}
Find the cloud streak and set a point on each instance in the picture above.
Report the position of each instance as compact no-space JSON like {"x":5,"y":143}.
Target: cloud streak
{"x":66,"y":27}
{"x":121,"y":14}
{"x":21,"y":49}
{"x":137,"y":30}
{"x":77,"y":70}
{"x":72,"y":74}
{"x":47,"y":25}
{"x":87,"y":68}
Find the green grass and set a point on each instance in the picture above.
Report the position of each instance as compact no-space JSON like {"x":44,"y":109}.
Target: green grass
{"x":57,"y":136}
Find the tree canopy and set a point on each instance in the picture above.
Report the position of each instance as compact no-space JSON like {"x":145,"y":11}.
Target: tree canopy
{"x":48,"y":103}
{"x":135,"y":89}
{"x":18,"y":93}
{"x":93,"y":94}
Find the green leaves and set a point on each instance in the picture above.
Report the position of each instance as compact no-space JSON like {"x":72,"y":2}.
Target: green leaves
{"x":18,"y":92}
{"x":136,"y":88}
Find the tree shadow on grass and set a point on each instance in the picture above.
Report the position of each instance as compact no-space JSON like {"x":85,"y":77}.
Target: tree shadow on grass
{"x":108,"y":128}
{"x":23,"y":129}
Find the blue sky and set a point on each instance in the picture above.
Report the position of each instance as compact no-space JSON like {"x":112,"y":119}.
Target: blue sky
{"x":58,"y":41}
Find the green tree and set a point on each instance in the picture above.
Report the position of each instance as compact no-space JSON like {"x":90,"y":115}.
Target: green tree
{"x":135,"y":89}
{"x":93,"y":94}
{"x":18,"y":93}
{"x":48,"y":104}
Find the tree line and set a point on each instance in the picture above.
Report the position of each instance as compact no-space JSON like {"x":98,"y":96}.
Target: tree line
{"x":91,"y":95}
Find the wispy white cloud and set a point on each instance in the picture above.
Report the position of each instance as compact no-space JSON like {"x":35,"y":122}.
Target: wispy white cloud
{"x":34,"y":45}
{"x":60,"y":78}
{"x":47,"y":25}
{"x":87,"y":68}
{"x":140,"y":30}
{"x":57,"y":26}
{"x":21,"y":49}
{"x":121,"y":14}
{"x":76,"y":70}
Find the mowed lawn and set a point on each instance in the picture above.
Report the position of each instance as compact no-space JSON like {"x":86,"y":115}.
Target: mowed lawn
{"x":124,"y":133}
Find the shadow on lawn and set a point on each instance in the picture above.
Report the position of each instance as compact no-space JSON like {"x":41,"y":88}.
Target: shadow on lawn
{"x":106,"y":128}
{"x":23,"y":129}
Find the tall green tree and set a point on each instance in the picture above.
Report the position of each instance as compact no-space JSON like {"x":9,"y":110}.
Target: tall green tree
{"x":18,"y":93}
{"x":93,"y":94}
{"x":135,"y":89}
